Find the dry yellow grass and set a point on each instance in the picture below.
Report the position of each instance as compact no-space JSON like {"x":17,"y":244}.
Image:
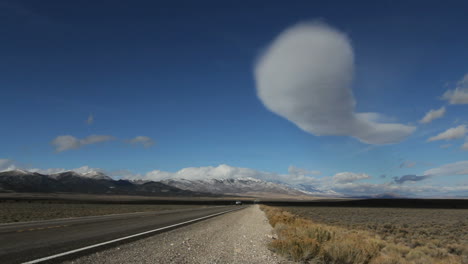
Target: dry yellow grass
{"x":303,"y":240}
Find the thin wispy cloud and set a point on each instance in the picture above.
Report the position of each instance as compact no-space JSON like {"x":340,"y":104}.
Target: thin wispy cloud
{"x":407,"y":164}
{"x":305,"y":76}
{"x":142,"y":140}
{"x":67,"y":142}
{"x":293,"y":170}
{"x":433,"y":115}
{"x":451,"y":169}
{"x":90,"y":119}
{"x":346,"y":177}
{"x":465,"y":145}
{"x":458,"y":95}
{"x":450,"y":134}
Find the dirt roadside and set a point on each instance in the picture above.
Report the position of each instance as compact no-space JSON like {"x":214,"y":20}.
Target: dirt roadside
{"x":238,"y":237}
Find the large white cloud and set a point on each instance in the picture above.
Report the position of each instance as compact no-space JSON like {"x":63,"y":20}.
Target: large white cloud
{"x":305,"y":76}
{"x":433,"y":115}
{"x":459,"y":95}
{"x":224,"y":171}
{"x":451,"y":133}
{"x":67,"y":142}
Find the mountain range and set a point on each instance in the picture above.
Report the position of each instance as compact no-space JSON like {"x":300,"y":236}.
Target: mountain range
{"x":90,"y":183}
{"x":96,"y":182}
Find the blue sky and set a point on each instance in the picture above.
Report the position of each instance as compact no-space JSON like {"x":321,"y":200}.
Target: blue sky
{"x":181,"y":76}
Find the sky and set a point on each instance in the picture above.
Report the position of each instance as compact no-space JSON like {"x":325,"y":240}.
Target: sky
{"x":360,"y":98}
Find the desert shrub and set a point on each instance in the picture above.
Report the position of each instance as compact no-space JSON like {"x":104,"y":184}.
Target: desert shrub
{"x":350,"y":249}
{"x":296,"y":248}
{"x":392,"y":258}
{"x":302,"y":239}
{"x":396,"y":249}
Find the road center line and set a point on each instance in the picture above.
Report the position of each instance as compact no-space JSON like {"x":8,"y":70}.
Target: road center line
{"x":123,"y":238}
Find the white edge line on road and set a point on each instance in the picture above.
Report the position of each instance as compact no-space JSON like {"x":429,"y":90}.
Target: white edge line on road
{"x":46,"y":221}
{"x":122,"y":238}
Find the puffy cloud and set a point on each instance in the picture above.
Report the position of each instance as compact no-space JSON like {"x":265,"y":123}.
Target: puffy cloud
{"x":433,"y":115}
{"x":62,"y":143}
{"x":67,"y":142}
{"x":457,"y":168}
{"x":298,"y":171}
{"x":451,"y":133}
{"x":142,"y":140}
{"x":345,"y":177}
{"x":90,"y":119}
{"x":305,"y":76}
{"x":157,"y":175}
{"x":224,"y":171}
{"x":7,"y":164}
{"x":405,"y":178}
{"x":87,"y":169}
{"x":459,"y":95}
{"x":407,"y":164}
{"x":125,"y":174}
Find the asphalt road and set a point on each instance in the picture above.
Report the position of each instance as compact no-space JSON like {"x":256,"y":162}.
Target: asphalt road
{"x":22,"y":242}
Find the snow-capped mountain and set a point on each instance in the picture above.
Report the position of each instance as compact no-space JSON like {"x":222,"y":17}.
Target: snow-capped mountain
{"x":224,"y":180}
{"x":18,"y":172}
{"x":89,"y":182}
{"x":93,"y":174}
{"x":235,"y":186}
{"x":96,"y":175}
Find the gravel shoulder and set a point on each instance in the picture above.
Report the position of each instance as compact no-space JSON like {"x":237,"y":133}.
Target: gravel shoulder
{"x":237,"y":237}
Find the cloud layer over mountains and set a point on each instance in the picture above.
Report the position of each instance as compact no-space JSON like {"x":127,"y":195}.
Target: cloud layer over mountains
{"x":347,"y":183}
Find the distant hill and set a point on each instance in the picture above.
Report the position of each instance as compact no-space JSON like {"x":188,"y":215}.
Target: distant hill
{"x":90,"y":183}
{"x":95,"y":182}
{"x":235,"y":186}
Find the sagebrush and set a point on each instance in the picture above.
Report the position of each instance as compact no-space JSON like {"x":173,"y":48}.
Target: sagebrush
{"x":304,"y":240}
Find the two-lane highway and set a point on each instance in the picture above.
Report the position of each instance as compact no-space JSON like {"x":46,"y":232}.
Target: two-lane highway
{"x":22,"y":242}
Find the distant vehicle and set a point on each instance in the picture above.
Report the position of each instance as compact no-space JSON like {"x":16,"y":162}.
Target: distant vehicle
{"x":238,"y":203}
